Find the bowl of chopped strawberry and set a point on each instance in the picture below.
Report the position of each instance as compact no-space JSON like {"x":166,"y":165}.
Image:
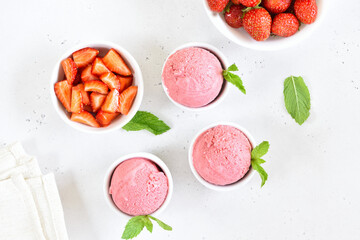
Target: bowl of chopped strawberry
{"x":266,"y":24}
{"x":97,"y":87}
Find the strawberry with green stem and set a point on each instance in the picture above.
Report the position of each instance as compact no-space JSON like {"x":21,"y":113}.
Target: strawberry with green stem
{"x":217,"y":5}
{"x":233,"y":16}
{"x":249,"y":3}
{"x":285,"y":25}
{"x":306,"y":10}
{"x":257,"y":22}
{"x":276,"y":6}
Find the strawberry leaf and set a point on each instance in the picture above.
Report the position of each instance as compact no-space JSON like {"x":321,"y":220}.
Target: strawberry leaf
{"x":227,"y":8}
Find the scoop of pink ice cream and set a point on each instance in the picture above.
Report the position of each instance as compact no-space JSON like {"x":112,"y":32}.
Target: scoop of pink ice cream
{"x":222,"y":155}
{"x":193,"y":77}
{"x":138,"y":187}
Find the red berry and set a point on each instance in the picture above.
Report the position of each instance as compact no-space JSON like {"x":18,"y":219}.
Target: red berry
{"x":234,"y":17}
{"x":249,"y":3}
{"x":276,"y":6}
{"x":285,"y":25}
{"x":237,"y":2}
{"x":217,"y":5}
{"x":257,"y":22}
{"x":306,"y":10}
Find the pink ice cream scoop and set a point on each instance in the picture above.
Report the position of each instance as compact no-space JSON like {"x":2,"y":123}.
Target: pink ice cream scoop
{"x":193,"y":77}
{"x":138,"y":187}
{"x":222,"y":155}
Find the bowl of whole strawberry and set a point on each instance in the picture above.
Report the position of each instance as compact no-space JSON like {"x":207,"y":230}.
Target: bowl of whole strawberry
{"x":265,"y":24}
{"x":97,"y":87}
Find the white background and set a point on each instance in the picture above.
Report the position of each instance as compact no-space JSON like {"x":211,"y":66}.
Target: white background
{"x":313,"y":188}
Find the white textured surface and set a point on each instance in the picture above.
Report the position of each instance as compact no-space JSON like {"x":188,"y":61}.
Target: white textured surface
{"x":312,"y":191}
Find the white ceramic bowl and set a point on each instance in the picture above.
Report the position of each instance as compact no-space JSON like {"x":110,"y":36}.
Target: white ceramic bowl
{"x":229,"y":187}
{"x":241,"y":37}
{"x":103,"y":47}
{"x":149,"y":156}
{"x":225,"y":64}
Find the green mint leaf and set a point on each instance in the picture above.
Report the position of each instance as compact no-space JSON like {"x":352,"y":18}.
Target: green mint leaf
{"x":233,"y":78}
{"x":146,"y":121}
{"x":134,"y":227}
{"x":261,"y":172}
{"x":148,"y":224}
{"x":297,"y":98}
{"x":260,"y":150}
{"x":233,"y":68}
{"x":256,"y":160}
{"x":161,"y":224}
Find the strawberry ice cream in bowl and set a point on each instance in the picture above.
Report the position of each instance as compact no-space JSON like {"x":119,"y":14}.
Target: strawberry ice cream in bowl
{"x":220,"y":156}
{"x":138,"y":184}
{"x":192,"y":76}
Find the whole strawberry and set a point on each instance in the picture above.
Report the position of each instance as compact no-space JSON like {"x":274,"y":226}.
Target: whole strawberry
{"x":285,"y":25}
{"x":257,"y":22}
{"x":234,"y":16}
{"x":306,"y":10}
{"x":217,"y":5}
{"x":276,"y":6}
{"x":248,"y":3}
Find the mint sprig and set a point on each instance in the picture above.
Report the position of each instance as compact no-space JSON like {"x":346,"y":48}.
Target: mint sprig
{"x":297,"y":99}
{"x":161,"y":224}
{"x":146,"y":121}
{"x":233,"y":78}
{"x":136,"y":224}
{"x":256,"y":160}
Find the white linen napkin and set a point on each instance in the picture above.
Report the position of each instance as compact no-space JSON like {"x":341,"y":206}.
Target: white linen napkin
{"x":19,"y":219}
{"x":12,"y":156}
{"x":49,"y":207}
{"x":30,"y":206}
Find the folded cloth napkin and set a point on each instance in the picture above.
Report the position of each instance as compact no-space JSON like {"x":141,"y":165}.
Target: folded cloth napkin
{"x":30,"y":206}
{"x":12,"y":156}
{"x":19,"y":219}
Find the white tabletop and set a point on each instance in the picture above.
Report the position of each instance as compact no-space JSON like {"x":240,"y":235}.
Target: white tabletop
{"x":312,"y":191}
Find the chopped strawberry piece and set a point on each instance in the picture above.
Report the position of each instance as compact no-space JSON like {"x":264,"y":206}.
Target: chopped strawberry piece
{"x":70,"y":70}
{"x":126,"y":99}
{"x":111,"y":102}
{"x":96,"y":86}
{"x":105,"y":118}
{"x":96,"y":100}
{"x":111,"y":80}
{"x":86,"y":74}
{"x":76,"y":100}
{"x":125,"y":82}
{"x":84,"y":94}
{"x":85,"y":118}
{"x":98,"y":67}
{"x":84,"y":56}
{"x":87,"y":108}
{"x":63,"y":92}
{"x":115,"y":63}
